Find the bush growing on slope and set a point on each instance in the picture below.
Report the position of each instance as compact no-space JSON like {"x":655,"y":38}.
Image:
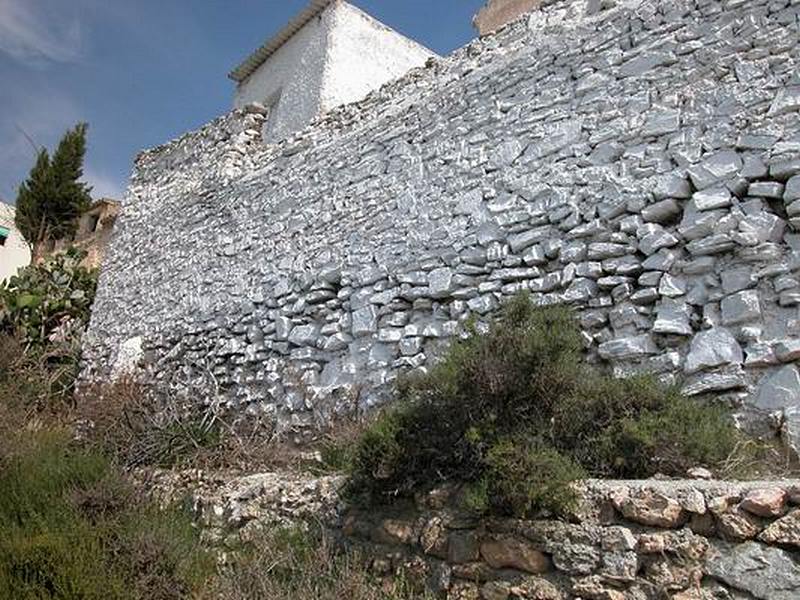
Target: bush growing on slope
{"x":72,"y":527}
{"x":515,"y":414}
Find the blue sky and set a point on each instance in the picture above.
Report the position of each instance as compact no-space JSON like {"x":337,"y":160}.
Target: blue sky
{"x":141,"y":72}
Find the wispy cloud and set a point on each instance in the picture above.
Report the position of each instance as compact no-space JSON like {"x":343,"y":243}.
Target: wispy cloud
{"x":35,"y":31}
{"x":33,"y":114}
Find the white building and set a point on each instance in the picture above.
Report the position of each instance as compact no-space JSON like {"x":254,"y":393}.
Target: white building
{"x":330,"y":54}
{"x":14,"y":251}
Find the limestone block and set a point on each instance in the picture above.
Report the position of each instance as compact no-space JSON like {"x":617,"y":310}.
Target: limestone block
{"x":506,"y":552}
{"x":713,"y":348}
{"x":779,"y":390}
{"x":763,"y":571}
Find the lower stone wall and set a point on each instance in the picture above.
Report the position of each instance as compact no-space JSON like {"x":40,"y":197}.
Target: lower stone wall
{"x":688,"y":539}
{"x":629,"y":540}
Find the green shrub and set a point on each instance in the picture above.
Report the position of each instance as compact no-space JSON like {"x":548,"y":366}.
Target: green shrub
{"x":48,"y":300}
{"x":516,"y":415}
{"x":524,"y":476}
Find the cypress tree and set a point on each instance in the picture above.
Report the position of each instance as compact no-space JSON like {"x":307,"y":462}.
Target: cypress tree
{"x":50,"y":201}
{"x":34,"y":200}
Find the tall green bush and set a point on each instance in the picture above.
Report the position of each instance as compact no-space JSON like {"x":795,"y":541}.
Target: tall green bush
{"x":517,"y":415}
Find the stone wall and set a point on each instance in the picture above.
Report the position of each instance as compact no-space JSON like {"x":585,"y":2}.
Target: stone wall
{"x":640,"y":162}
{"x":626,"y":540}
{"x":630,"y":540}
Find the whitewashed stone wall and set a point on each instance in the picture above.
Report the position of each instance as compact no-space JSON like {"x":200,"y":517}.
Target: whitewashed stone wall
{"x":640,"y":162}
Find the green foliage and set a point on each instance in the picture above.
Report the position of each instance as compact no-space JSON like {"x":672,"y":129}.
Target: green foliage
{"x":55,"y":295}
{"x":524,"y":476}
{"x":34,"y":201}
{"x":516,"y":415}
{"x":51,"y":199}
{"x":71,"y":527}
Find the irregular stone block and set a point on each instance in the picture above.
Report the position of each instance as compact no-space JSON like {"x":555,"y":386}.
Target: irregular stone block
{"x":718,"y":167}
{"x":507,"y":552}
{"x":763,"y":571}
{"x":626,"y":348}
{"x":365,"y":321}
{"x":648,"y":507}
{"x":713,"y":348}
{"x":741,"y":308}
{"x":765,"y":502}
{"x":766,"y":189}
{"x":787,"y":100}
{"x":779,"y":390}
{"x":784,"y":531}
{"x":792,"y":190}
{"x":712,"y":198}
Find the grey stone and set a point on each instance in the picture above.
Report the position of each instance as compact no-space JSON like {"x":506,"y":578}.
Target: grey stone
{"x":283,"y":327}
{"x":713,"y":348}
{"x":441,"y":282}
{"x":630,"y":347}
{"x":787,"y":350}
{"x":782,"y":170}
{"x":662,"y":212}
{"x":720,"y":381}
{"x":714,"y":244}
{"x":304,"y":335}
{"x":779,"y":390}
{"x":602,"y":250}
{"x":718,"y":167}
{"x":653,"y":242}
{"x":662,"y":122}
{"x":521,"y":241}
{"x":735,"y":280}
{"x":672,"y":318}
{"x":365,"y":321}
{"x":668,"y":187}
{"x":712,"y":198}
{"x":792,"y":190}
{"x":646,"y":62}
{"x":671,"y":286}
{"x":787,"y":100}
{"x":766,"y":189}
{"x":764,"y":572}
{"x":741,"y":308}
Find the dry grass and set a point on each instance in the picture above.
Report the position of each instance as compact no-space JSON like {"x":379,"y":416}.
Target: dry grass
{"x":304,"y":563}
{"x":142,"y":427}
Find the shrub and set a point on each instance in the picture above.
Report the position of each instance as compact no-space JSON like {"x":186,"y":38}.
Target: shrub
{"x":49,"y":301}
{"x":517,"y":416}
{"x":523,"y":476}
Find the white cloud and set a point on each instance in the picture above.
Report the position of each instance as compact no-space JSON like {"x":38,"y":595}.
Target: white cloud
{"x":35,"y":31}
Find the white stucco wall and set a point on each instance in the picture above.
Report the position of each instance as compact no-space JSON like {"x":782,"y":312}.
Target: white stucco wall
{"x":363,"y":55}
{"x":290,"y":81}
{"x":336,"y":58}
{"x":15,"y":253}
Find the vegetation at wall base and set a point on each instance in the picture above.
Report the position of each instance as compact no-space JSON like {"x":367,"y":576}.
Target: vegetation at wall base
{"x":289,"y":563}
{"x":516,"y":415}
{"x":71,"y":527}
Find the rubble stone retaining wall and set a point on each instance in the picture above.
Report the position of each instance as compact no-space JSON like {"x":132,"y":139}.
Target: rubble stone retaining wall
{"x":638,"y":160}
{"x":644,"y":540}
{"x":626,"y":540}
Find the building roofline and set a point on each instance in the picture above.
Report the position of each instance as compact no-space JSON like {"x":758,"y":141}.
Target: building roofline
{"x":249,"y":65}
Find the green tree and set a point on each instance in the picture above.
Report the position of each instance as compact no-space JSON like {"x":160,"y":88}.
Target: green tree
{"x":50,"y":201}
